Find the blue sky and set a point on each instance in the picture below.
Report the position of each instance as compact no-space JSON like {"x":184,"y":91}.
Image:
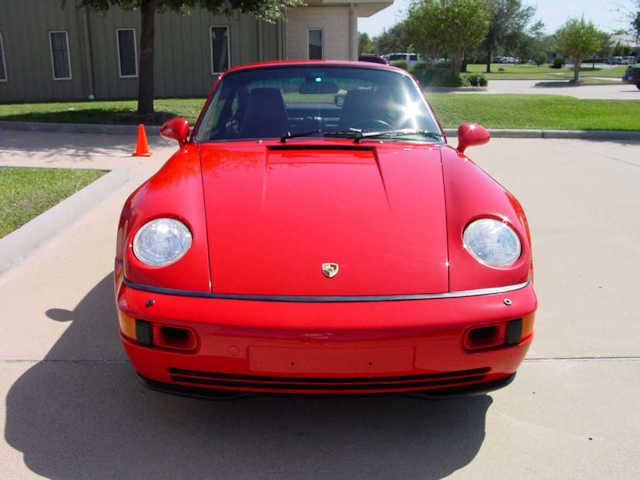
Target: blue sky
{"x":605,"y":14}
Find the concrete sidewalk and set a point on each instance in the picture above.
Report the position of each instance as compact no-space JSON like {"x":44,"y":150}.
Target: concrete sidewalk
{"x":615,"y":91}
{"x":73,"y":408}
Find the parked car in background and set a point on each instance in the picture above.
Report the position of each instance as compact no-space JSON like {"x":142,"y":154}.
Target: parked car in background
{"x":500,"y":59}
{"x":373,"y":58}
{"x":410,"y":58}
{"x":628,"y":60}
{"x":293,"y":245}
{"x":632,"y":75}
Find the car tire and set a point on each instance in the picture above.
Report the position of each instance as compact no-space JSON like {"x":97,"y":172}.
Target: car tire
{"x":638,"y":86}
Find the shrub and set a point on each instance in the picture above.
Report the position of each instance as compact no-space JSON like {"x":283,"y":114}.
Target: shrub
{"x":418,"y":67}
{"x":401,"y":64}
{"x":557,"y":63}
{"x":477,"y":80}
{"x":438,"y":75}
{"x":539,"y":58}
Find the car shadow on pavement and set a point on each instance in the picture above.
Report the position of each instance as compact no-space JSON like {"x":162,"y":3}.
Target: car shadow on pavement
{"x":81,"y":413}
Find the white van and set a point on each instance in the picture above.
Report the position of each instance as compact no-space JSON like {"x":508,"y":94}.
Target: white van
{"x":411,"y":58}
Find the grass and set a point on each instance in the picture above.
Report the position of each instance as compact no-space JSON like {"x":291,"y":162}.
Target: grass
{"x":113,"y":112}
{"x":27,"y":192}
{"x":494,"y":111}
{"x":536,"y":112}
{"x":543,"y":71}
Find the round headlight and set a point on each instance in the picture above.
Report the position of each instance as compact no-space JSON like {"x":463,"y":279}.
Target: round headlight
{"x":492,"y":242}
{"x":161,"y":241}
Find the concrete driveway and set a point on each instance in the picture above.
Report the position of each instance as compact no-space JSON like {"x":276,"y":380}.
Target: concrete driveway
{"x":73,"y":408}
{"x":616,"y":91}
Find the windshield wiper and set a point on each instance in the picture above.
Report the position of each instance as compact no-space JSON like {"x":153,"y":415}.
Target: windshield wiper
{"x":400,"y":132}
{"x":350,"y":132}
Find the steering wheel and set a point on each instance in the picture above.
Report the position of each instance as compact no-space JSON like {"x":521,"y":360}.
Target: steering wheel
{"x":372,"y":124}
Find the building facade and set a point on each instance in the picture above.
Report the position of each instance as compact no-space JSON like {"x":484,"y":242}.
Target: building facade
{"x":50,"y":51}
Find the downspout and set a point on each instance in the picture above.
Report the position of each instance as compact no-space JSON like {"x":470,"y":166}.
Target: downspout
{"x":282,"y":37}
{"x":353,"y":26}
{"x":260,"y":42}
{"x":89,"y":54}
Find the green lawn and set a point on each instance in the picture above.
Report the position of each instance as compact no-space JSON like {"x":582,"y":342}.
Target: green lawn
{"x":115,"y":112}
{"x":551,"y":112}
{"x":494,"y":111}
{"x":543,"y":71}
{"x":27,"y":192}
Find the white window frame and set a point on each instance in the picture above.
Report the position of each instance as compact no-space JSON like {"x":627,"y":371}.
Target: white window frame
{"x":135,"y":52}
{"x":4,"y":61}
{"x":53,"y":69}
{"x":321,"y":42}
{"x":211,"y":27}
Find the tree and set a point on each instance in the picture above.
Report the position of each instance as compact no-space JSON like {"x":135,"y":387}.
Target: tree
{"x":635,"y":22}
{"x":508,"y":19}
{"x":576,"y":40}
{"x":393,"y":40}
{"x":365,"y":45}
{"x":447,"y":27}
{"x":267,"y":10}
{"x":527,"y":44}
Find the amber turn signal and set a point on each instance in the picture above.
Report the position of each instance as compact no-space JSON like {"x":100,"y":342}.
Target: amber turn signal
{"x":127,"y":325}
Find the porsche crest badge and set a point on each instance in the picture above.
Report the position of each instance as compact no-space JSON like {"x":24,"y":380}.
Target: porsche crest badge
{"x":330,"y":270}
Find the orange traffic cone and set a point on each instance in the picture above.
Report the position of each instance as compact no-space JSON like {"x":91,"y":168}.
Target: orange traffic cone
{"x":142,"y":147}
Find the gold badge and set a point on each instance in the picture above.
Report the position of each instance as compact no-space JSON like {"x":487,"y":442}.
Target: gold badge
{"x":330,"y":270}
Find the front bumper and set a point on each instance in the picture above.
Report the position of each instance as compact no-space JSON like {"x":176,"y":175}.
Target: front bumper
{"x":318,"y":348}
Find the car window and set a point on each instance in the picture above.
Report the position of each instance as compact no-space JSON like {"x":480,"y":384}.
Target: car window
{"x":273,"y":102}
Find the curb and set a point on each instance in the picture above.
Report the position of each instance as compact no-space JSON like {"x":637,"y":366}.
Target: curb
{"x":26,"y":240}
{"x":155,"y":130}
{"x":78,"y":128}
{"x":558,"y":134}
{"x":455,"y":89}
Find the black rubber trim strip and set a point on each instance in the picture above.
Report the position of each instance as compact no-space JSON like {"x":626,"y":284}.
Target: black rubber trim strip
{"x":325,"y":299}
{"x":258,"y":378}
{"x":220,"y":394}
{"x":303,"y":146}
{"x":330,"y":387}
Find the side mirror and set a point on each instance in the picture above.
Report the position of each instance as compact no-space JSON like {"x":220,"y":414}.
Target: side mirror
{"x":176,"y":128}
{"x":470,"y":134}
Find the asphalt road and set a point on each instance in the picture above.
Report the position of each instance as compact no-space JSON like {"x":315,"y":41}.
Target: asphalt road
{"x":73,"y":408}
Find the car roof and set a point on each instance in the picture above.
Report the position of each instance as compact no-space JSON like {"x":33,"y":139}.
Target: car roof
{"x":322,"y":63}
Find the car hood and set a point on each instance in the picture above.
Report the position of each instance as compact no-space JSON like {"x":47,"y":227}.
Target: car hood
{"x":276,"y":213}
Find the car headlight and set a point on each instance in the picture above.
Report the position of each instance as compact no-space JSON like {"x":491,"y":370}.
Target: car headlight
{"x":492,"y":242}
{"x":161,"y":241}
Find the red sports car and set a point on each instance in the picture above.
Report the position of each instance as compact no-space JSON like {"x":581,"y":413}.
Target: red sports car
{"x":295,"y":244}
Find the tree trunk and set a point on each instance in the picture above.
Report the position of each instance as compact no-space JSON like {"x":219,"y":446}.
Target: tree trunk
{"x":145,"y":81}
{"x":576,"y":70}
{"x":456,"y":62}
{"x":489,"y":55}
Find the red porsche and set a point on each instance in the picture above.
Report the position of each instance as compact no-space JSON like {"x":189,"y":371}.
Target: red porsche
{"x":315,"y":234}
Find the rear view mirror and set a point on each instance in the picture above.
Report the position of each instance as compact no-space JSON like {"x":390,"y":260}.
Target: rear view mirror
{"x":176,"y":128}
{"x":470,"y":134}
{"x":317,"y":84}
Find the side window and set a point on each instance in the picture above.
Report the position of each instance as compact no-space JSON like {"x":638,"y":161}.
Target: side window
{"x":3,"y":65}
{"x":315,"y":44}
{"x":220,"y":49}
{"x":60,"y":58}
{"x":127,"y":57}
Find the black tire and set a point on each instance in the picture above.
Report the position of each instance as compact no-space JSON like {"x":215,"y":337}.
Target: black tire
{"x":638,"y":86}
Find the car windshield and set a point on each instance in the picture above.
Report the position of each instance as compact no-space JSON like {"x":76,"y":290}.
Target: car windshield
{"x":316,"y":100}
